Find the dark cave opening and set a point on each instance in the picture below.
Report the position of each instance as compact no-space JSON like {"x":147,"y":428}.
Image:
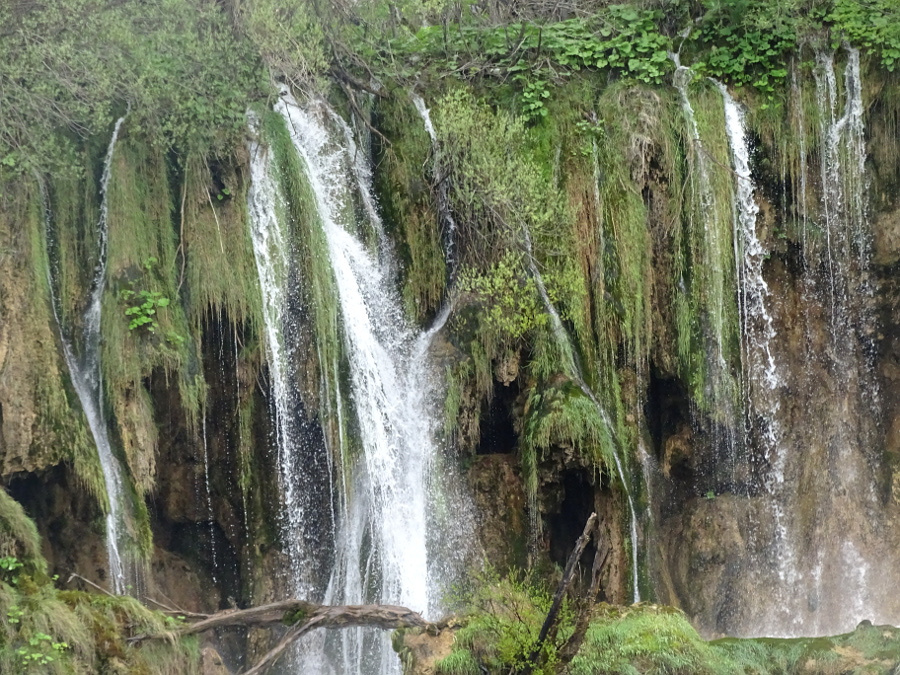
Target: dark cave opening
{"x":69,"y":520}
{"x":498,"y":433}
{"x":566,"y":525}
{"x":667,"y":413}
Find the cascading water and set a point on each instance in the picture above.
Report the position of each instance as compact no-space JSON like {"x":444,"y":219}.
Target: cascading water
{"x":841,"y":575}
{"x":712,"y":239}
{"x":303,"y":473}
{"x":810,"y":526}
{"x":571,"y":365}
{"x":761,"y":378}
{"x":85,"y":372}
{"x":395,"y":511}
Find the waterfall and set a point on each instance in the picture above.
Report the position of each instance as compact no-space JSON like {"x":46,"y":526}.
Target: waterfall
{"x":448,"y":224}
{"x":572,"y":366}
{"x":85,"y":372}
{"x":845,"y":557}
{"x":402,"y":530}
{"x":303,"y":474}
{"x":711,"y":294}
{"x":760,"y":375}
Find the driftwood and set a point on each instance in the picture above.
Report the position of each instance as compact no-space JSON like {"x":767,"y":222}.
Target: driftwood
{"x":301,"y":617}
{"x":573,"y":644}
{"x":565,"y":582}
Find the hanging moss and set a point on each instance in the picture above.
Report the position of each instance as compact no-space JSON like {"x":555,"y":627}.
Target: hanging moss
{"x":707,"y":319}
{"x":43,"y":424}
{"x":141,"y":260}
{"x":406,"y":193}
{"x":215,"y":252}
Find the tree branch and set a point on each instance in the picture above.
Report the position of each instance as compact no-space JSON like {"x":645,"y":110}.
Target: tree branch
{"x":301,"y":613}
{"x":564,"y":583}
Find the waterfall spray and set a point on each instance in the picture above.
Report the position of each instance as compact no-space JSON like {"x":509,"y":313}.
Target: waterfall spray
{"x":393,"y":542}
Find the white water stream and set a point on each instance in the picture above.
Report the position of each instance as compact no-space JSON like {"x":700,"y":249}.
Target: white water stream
{"x":85,"y":372}
{"x":401,"y":526}
{"x":761,"y":378}
{"x":272,"y":249}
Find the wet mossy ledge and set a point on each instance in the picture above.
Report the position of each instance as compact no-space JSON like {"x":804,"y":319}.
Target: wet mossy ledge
{"x":639,"y":639}
{"x":45,"y":629}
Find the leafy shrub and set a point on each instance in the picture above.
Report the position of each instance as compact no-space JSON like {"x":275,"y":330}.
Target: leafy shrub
{"x":503,"y":618}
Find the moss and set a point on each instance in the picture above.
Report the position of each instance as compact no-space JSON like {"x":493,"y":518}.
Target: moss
{"x":458,"y":662}
{"x":646,"y":640}
{"x":311,"y":278}
{"x":19,"y":537}
{"x":60,"y":434}
{"x":49,"y":631}
{"x":709,"y":351}
{"x":292,"y":618}
{"x":45,"y":428}
{"x":406,"y":194}
{"x":215,"y":250}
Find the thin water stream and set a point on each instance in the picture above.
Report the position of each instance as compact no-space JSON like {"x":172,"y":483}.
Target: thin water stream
{"x":86,"y":375}
{"x":573,"y":367}
{"x":448,"y":223}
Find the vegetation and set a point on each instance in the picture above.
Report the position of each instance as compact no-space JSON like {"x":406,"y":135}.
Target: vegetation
{"x":563,"y":154}
{"x":501,"y":618}
{"x":46,"y":630}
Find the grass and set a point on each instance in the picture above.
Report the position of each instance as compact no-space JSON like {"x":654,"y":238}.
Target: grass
{"x":45,"y":630}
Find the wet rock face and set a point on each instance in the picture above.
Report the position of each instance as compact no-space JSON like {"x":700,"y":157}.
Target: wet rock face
{"x":499,"y":498}
{"x":36,"y":423}
{"x":818,"y":558}
{"x":419,"y":651}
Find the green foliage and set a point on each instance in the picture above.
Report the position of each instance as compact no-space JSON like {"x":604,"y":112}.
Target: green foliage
{"x":142,"y":305}
{"x":496,"y":188}
{"x":501,"y":617}
{"x":747,"y":43}
{"x":288,"y":35}
{"x":143,"y":313}
{"x":629,"y":641}
{"x":501,"y":622}
{"x":561,"y":414}
{"x":506,"y":299}
{"x":458,"y":662}
{"x":292,"y":618}
{"x":409,"y":206}
{"x":40,"y":650}
{"x":872,"y":25}
{"x":44,"y":630}
{"x":68,"y":68}
{"x":20,"y":545}
{"x":9,"y":564}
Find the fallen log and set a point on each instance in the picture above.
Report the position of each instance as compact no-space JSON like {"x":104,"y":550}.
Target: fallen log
{"x":301,"y":617}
